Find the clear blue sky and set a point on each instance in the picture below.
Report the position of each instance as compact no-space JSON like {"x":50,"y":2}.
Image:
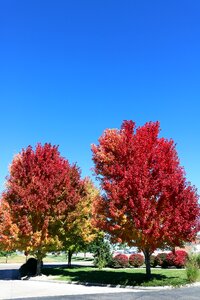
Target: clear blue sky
{"x":70,"y":69}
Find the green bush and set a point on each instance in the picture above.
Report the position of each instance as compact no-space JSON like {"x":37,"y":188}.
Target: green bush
{"x":136,"y":260}
{"x":198,"y":259}
{"x":153,"y":261}
{"x":102,"y":253}
{"x":192,"y":268}
{"x":161,"y":260}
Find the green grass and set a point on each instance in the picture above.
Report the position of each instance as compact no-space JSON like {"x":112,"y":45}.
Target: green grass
{"x":63,"y":258}
{"x":78,"y":258}
{"x":124,"y":277}
{"x":55,"y":258}
{"x":13,"y":258}
{"x":21,"y":259}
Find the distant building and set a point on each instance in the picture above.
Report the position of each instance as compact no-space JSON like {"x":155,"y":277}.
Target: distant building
{"x":193,"y":246}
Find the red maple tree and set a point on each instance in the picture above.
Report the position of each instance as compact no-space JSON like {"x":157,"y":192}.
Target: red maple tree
{"x":147,"y":203}
{"x":42,"y":188}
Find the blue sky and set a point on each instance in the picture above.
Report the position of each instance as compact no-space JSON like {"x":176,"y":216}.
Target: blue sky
{"x":70,"y":69}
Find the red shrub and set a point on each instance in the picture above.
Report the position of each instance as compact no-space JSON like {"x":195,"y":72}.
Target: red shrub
{"x":120,"y":261}
{"x":170,"y":259}
{"x":177,"y":259}
{"x":136,"y":260}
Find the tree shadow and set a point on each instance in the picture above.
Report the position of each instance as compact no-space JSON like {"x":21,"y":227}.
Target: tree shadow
{"x":9,"y":274}
{"x":107,"y":276}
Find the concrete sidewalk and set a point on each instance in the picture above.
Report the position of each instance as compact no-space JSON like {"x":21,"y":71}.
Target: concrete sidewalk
{"x":12,"y":289}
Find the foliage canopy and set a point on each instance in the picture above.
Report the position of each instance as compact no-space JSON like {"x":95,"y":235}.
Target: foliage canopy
{"x":147,"y":203}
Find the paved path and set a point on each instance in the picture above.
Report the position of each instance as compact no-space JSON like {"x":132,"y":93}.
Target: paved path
{"x":13,"y":289}
{"x":42,"y":288}
{"x":30,"y":289}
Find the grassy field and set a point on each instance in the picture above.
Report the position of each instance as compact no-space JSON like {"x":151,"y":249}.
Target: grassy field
{"x":21,"y":259}
{"x":13,"y":259}
{"x":124,"y":277}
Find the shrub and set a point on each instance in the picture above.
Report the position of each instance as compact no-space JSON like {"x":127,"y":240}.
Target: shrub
{"x":198,"y":259}
{"x":102,"y":253}
{"x":136,"y":260}
{"x":153,"y":261}
{"x":29,"y":268}
{"x":120,"y":261}
{"x":171,"y":259}
{"x":161,"y":260}
{"x":177,"y":259}
{"x":192,"y":268}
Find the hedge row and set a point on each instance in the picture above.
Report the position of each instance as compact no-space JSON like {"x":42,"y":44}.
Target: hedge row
{"x":123,"y":261}
{"x":176,"y":259}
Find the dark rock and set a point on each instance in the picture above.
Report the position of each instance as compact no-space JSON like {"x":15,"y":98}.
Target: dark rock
{"x":29,"y":268}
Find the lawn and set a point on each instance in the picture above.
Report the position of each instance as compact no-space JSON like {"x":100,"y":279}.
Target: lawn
{"x":13,"y":258}
{"x":50,"y":258}
{"x":123,"y":277}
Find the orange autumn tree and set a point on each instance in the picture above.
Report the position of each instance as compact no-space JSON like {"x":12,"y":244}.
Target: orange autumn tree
{"x":147,"y":203}
{"x":8,"y":230}
{"x":76,"y":230}
{"x":41,"y":187}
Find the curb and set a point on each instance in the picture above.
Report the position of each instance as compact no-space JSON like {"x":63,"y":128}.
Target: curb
{"x":153,"y":288}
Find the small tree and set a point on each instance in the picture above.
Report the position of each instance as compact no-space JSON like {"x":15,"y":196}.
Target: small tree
{"x":6,"y":254}
{"x":192,"y":268}
{"x":101,"y":251}
{"x":76,"y":230}
{"x":147,"y":202}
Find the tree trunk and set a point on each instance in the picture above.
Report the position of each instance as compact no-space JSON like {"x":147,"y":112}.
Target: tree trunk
{"x":39,"y":267}
{"x":69,"y":258}
{"x":147,"y":255}
{"x":39,"y":257}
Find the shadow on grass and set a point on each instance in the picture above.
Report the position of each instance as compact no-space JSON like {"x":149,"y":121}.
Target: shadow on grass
{"x":106,"y":276}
